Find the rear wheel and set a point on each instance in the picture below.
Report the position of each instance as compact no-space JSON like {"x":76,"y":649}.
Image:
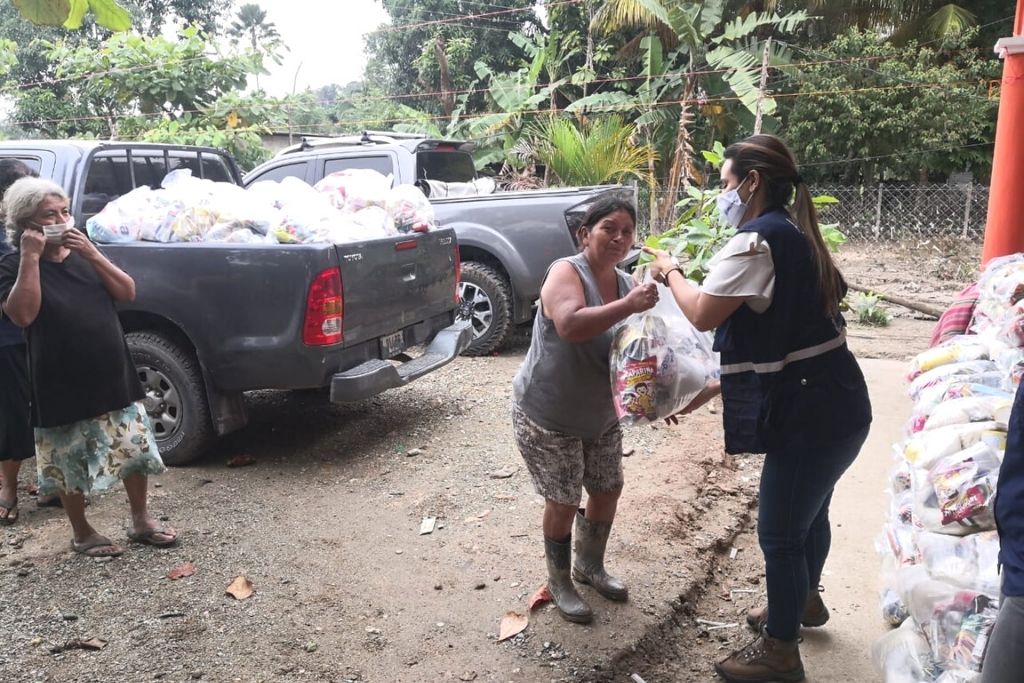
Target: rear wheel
{"x":485,"y":299}
{"x":175,"y":397}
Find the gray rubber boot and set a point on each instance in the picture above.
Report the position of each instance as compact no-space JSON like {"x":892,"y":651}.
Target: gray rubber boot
{"x":563,"y":592}
{"x":588,"y":568}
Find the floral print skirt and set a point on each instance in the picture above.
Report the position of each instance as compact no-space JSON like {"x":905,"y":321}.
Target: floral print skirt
{"x":92,"y":455}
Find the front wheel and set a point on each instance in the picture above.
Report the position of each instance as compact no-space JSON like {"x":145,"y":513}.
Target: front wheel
{"x":175,"y":397}
{"x":485,"y":299}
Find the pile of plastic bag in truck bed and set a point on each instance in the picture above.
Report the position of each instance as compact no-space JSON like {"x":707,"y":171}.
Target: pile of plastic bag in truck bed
{"x":348,"y":206}
{"x":939,"y":546}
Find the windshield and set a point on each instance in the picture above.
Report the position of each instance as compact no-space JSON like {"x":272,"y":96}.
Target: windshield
{"x":448,"y":167}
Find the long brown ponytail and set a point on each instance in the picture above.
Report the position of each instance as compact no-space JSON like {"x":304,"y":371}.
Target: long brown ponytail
{"x":769,"y":156}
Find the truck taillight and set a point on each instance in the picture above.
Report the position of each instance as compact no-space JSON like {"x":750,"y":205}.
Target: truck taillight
{"x":325,"y":308}
{"x":458,"y":274}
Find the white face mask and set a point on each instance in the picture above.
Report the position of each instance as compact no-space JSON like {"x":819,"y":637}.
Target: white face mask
{"x":55,"y":226}
{"x":731,"y":207}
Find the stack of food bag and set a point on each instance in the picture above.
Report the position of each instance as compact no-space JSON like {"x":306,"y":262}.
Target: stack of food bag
{"x":939,"y":546}
{"x":348,"y":206}
{"x":659,"y":363}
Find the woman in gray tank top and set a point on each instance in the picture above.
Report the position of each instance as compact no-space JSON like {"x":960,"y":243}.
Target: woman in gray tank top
{"x":563,"y":416}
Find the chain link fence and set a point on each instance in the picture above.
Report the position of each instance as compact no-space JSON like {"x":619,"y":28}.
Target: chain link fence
{"x":896,"y":212}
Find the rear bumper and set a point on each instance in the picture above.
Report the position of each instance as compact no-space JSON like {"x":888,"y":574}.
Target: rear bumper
{"x":375,"y":376}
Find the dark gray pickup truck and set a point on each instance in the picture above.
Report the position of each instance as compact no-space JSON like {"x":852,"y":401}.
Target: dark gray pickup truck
{"x":211,"y":321}
{"x":507,"y":239}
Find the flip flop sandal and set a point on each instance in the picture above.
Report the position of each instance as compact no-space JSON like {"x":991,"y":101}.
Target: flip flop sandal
{"x":149,"y":537}
{"x":12,"y":512}
{"x":91,"y":548}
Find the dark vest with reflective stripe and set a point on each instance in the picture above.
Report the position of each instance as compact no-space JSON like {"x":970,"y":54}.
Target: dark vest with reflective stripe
{"x":788,"y":377}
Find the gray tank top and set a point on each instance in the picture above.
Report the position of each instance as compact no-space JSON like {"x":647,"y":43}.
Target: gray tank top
{"x":566,"y":386}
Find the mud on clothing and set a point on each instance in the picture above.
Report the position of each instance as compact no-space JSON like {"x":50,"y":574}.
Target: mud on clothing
{"x":79,"y":362}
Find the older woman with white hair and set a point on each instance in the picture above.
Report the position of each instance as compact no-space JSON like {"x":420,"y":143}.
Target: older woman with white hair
{"x":91,"y":427}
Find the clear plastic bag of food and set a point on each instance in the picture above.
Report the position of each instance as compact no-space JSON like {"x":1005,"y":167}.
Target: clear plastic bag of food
{"x":926,"y":447}
{"x":355,"y":189}
{"x":961,"y":386}
{"x":948,"y":372}
{"x":659,"y":363}
{"x":956,"y":350}
{"x":409,"y":209}
{"x":965,"y":486}
{"x":970,"y":409}
{"x":903,"y":655}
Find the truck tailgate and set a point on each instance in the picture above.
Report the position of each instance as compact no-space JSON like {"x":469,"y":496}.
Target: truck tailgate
{"x":390,"y":284}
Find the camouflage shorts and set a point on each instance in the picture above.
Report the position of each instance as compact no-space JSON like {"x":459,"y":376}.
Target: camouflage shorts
{"x":561,"y":465}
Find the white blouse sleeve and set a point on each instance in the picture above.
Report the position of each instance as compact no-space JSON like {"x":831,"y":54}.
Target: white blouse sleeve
{"x":744,"y":268}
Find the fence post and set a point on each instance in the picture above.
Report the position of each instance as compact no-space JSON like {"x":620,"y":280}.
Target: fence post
{"x":878,"y":213}
{"x":967,"y":209}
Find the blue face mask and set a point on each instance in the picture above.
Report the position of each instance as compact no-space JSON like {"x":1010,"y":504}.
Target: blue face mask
{"x":730,"y":207}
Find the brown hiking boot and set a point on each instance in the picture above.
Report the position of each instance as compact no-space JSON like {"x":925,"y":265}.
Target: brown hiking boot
{"x":815,"y":613}
{"x":764,"y":660}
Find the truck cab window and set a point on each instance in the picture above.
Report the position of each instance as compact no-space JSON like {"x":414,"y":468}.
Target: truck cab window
{"x":279,"y":173}
{"x":380,"y":163}
{"x":107,"y":178}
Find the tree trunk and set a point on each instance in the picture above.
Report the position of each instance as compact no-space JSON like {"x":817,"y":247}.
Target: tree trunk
{"x":678,"y":174}
{"x":447,"y":98}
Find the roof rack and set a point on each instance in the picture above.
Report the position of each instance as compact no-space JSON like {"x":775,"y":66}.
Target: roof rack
{"x":368,"y":137}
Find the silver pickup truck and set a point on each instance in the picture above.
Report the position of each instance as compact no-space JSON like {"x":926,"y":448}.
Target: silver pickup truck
{"x":213,"y":320}
{"x":507,"y":240}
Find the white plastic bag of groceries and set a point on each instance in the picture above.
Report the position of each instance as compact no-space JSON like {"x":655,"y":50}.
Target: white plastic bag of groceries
{"x":659,"y":362}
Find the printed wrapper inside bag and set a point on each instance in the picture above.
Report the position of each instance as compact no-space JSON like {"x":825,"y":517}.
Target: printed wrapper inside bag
{"x":659,"y":363}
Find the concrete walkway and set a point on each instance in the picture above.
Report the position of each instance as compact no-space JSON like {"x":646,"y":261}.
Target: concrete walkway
{"x":841,"y":652}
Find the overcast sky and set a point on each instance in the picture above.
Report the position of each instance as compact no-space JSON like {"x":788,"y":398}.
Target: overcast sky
{"x":325,"y":38}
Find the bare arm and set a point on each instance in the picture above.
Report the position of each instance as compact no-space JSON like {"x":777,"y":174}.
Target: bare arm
{"x":118,"y":283}
{"x":563,"y":301}
{"x":705,"y":311}
{"x":25,"y":298}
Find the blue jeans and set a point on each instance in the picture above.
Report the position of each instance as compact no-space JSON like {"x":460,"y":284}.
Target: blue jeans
{"x":792,"y":523}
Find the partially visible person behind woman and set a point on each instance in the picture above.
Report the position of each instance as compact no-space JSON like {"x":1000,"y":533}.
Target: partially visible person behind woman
{"x":91,"y":427}
{"x":790,"y":386}
{"x":16,"y":444}
{"x":564,"y":416}
{"x":1004,"y":656}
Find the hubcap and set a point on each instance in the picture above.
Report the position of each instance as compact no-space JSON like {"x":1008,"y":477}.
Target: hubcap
{"x":475,"y":306}
{"x":162,"y":402}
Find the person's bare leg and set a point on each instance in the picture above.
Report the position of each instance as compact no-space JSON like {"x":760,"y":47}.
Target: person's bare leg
{"x":9,"y":489}
{"x":136,"y":485}
{"x":84,"y":533}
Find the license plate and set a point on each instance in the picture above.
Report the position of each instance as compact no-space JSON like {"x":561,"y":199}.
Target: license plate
{"x":392,"y":345}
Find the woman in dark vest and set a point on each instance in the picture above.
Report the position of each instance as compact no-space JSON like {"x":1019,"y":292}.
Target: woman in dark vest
{"x":790,"y":386}
{"x":563,"y":415}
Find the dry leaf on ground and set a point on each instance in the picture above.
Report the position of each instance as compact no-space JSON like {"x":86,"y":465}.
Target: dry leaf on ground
{"x":181,"y":571}
{"x":512,"y":624}
{"x":241,"y":461}
{"x":542,"y":596}
{"x":241,"y":588}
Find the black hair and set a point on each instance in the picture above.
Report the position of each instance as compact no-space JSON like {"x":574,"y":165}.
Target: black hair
{"x":12,"y":170}
{"x":606,"y":206}
{"x":772,"y":158}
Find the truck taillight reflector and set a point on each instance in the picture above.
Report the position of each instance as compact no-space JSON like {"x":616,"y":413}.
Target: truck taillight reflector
{"x":406,"y":245}
{"x":325,"y":308}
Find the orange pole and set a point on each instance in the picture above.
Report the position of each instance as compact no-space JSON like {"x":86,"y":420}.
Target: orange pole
{"x":1004,"y":230}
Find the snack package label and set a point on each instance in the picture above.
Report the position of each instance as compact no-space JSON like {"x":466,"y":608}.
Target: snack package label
{"x":634,"y":385}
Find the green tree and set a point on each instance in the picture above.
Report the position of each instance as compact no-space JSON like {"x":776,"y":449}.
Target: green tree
{"x":417,"y":54}
{"x":694,"y":39}
{"x":589,"y":150}
{"x":905,"y":101}
{"x":251,"y":24}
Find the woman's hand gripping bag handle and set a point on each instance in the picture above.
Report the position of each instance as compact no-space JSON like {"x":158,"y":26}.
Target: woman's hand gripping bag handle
{"x":659,"y":362}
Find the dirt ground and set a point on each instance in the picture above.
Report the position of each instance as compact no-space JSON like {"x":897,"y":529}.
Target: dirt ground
{"x":326,"y":525}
